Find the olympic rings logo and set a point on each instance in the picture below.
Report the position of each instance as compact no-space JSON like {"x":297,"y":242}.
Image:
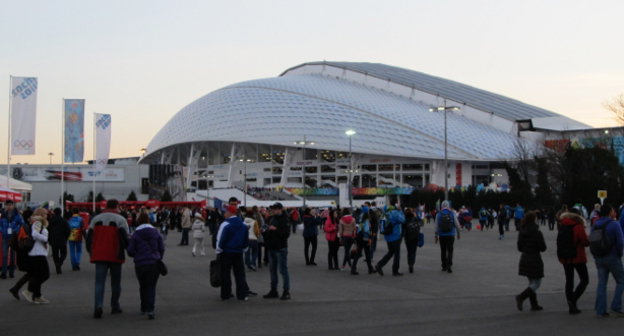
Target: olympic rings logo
{"x":23,"y":144}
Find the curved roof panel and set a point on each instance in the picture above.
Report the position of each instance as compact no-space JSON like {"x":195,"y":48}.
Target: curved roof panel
{"x":502,"y":106}
{"x":281,"y":110}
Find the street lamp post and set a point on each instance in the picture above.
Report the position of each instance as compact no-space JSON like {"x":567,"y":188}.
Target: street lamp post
{"x":445,"y":109}
{"x":50,"y":155}
{"x":244,"y":159}
{"x":303,"y":144}
{"x":350,"y":133}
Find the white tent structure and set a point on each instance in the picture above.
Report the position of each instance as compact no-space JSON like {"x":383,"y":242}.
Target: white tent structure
{"x":14,"y":184}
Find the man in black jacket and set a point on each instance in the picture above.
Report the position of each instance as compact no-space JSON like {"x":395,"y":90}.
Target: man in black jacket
{"x":276,"y":241}
{"x":57,"y":237}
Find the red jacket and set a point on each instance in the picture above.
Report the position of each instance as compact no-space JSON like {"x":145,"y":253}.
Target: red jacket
{"x":580,"y":237}
{"x":331,"y":231}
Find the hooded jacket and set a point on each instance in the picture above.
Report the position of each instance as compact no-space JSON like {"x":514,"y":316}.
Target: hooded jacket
{"x":614,"y":231}
{"x":580,"y":237}
{"x":146,"y":245}
{"x":531,"y":243}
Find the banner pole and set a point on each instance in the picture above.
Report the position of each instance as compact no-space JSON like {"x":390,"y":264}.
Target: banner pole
{"x":63,"y":157}
{"x":9,"y":134}
{"x":94,"y":159}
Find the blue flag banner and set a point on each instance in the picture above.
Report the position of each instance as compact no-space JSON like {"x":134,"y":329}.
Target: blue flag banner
{"x":74,"y":130}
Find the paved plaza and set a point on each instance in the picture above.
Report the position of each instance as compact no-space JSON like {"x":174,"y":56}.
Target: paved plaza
{"x":477,"y":299}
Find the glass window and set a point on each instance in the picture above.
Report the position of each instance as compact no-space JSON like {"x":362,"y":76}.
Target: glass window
{"x":328,"y":169}
{"x":414,"y":180}
{"x":386,"y":167}
{"x":277,"y":170}
{"x":369,"y":168}
{"x":312,"y":169}
{"x":412,"y":166}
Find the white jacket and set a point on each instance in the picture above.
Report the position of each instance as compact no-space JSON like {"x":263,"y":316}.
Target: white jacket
{"x":41,"y":240}
{"x":198,"y":228}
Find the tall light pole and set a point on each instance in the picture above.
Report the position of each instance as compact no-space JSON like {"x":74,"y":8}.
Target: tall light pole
{"x":350,"y":133}
{"x":445,"y":109}
{"x":50,"y":155}
{"x":303,"y":143}
{"x":244,"y":160}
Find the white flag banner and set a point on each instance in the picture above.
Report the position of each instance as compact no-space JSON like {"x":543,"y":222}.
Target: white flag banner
{"x":23,"y":115}
{"x":102,"y":140}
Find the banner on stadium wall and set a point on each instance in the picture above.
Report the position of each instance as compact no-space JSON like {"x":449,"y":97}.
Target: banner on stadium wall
{"x":78,"y":174}
{"x":313,"y":191}
{"x":102,"y":140}
{"x":381,"y":191}
{"x":23,"y":115}
{"x":74,"y":130}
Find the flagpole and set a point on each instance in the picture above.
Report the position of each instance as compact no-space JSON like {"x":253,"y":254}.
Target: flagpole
{"x":9,"y":134}
{"x":94,"y":160}
{"x":63,"y":157}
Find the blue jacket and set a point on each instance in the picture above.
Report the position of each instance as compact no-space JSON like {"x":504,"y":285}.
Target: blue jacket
{"x":310,"y":226}
{"x":233,"y":236}
{"x":396,"y":229}
{"x":614,"y":231}
{"x":15,"y":223}
{"x":146,"y":245}
{"x":453,"y":231}
{"x":519,"y":212}
{"x":364,"y":230}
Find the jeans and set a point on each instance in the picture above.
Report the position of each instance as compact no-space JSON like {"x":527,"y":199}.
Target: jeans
{"x":347,"y":242}
{"x":148,"y":277}
{"x":39,"y":272}
{"x":279,"y":258}
{"x":229,"y":262}
{"x":571,"y":293}
{"x":411,"y":246}
{"x":251,"y":255}
{"x":185,"y":237}
{"x":362,"y":246}
{"x":446,"y":251}
{"x":101,"y":271}
{"x":332,"y":254}
{"x":59,"y":253}
{"x":605,"y":265}
{"x":535,"y":283}
{"x":306,"y":242}
{"x":373,"y":246}
{"x":501,"y":229}
{"x":75,"y":252}
{"x":394,"y":249}
{"x":8,"y":257}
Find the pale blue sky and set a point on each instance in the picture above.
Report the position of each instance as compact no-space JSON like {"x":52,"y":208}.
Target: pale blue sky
{"x":142,"y":61}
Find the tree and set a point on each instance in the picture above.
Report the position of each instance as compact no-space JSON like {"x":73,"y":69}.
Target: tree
{"x":90,"y":197}
{"x":67,"y":197}
{"x":166,"y":197}
{"x":616,"y":105}
{"x":131,"y":196}
{"x":99,"y":198}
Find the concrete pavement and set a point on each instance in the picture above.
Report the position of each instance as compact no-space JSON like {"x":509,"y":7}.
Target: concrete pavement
{"x":477,"y":299}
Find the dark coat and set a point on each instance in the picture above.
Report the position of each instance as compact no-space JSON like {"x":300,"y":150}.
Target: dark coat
{"x":277,"y":239}
{"x":58,"y":231}
{"x":531,"y":243}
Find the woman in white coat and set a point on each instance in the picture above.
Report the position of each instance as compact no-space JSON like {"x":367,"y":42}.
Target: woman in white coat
{"x":199,"y":229}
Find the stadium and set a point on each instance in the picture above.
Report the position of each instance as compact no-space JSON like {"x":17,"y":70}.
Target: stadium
{"x":315,"y":126}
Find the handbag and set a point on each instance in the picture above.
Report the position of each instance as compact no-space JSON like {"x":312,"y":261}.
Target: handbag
{"x":421,"y":239}
{"x":162,"y":268}
{"x":215,"y":273}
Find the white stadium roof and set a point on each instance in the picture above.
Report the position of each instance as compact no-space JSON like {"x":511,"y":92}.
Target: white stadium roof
{"x":320,"y":105}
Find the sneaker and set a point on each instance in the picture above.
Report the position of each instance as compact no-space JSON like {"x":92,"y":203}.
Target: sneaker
{"x":97,"y":313}
{"x":15,"y":293}
{"x":379,"y":270}
{"x":285,"y":296}
{"x":27,"y":295}
{"x":271,"y":295}
{"x":151,"y":315}
{"x":41,"y":300}
{"x":397,"y":274}
{"x":116,"y":311}
{"x":449,"y":270}
{"x":250,"y":293}
{"x":313,"y":263}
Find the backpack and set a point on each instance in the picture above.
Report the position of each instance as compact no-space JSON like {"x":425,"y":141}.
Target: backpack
{"x":394,"y":217}
{"x":22,"y":240}
{"x":446,"y":222}
{"x":566,"y":249}
{"x":412,"y":229}
{"x":599,"y":243}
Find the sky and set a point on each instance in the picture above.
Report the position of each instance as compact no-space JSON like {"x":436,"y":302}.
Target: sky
{"x":144,"y":60}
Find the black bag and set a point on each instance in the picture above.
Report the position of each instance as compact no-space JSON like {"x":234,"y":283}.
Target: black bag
{"x":412,"y":229}
{"x":446,"y":222}
{"x":599,"y":243}
{"x":215,"y":273}
{"x":566,"y":249}
{"x":162,"y":268}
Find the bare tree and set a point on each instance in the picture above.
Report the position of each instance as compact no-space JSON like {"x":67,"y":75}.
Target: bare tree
{"x":616,"y":105}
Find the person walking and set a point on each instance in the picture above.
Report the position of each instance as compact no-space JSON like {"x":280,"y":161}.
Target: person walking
{"x":571,"y":243}
{"x":606,"y":244}
{"x":447,"y":228}
{"x":531,"y":244}
{"x":502,"y":218}
{"x":21,"y":255}
{"x":199,"y":229}
{"x":10,"y":222}
{"x":362,"y":241}
{"x":310,"y":235}
{"x":276,"y":240}
{"x":59,"y":232}
{"x":347,"y":231}
{"x":107,"y":239}
{"x":392,"y":231}
{"x":76,"y":226}
{"x":331,"y":235}
{"x":147,"y":248}
{"x":38,"y":268}
{"x":232,"y":240}
{"x":253,"y":227}
{"x":185,"y":223}
{"x":411,"y":230}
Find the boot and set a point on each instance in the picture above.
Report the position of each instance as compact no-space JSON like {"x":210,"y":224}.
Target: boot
{"x":521,"y":297}
{"x":533,"y":299}
{"x":573,"y":309}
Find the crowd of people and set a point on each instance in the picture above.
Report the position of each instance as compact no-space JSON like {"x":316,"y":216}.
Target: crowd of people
{"x":252,"y":238}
